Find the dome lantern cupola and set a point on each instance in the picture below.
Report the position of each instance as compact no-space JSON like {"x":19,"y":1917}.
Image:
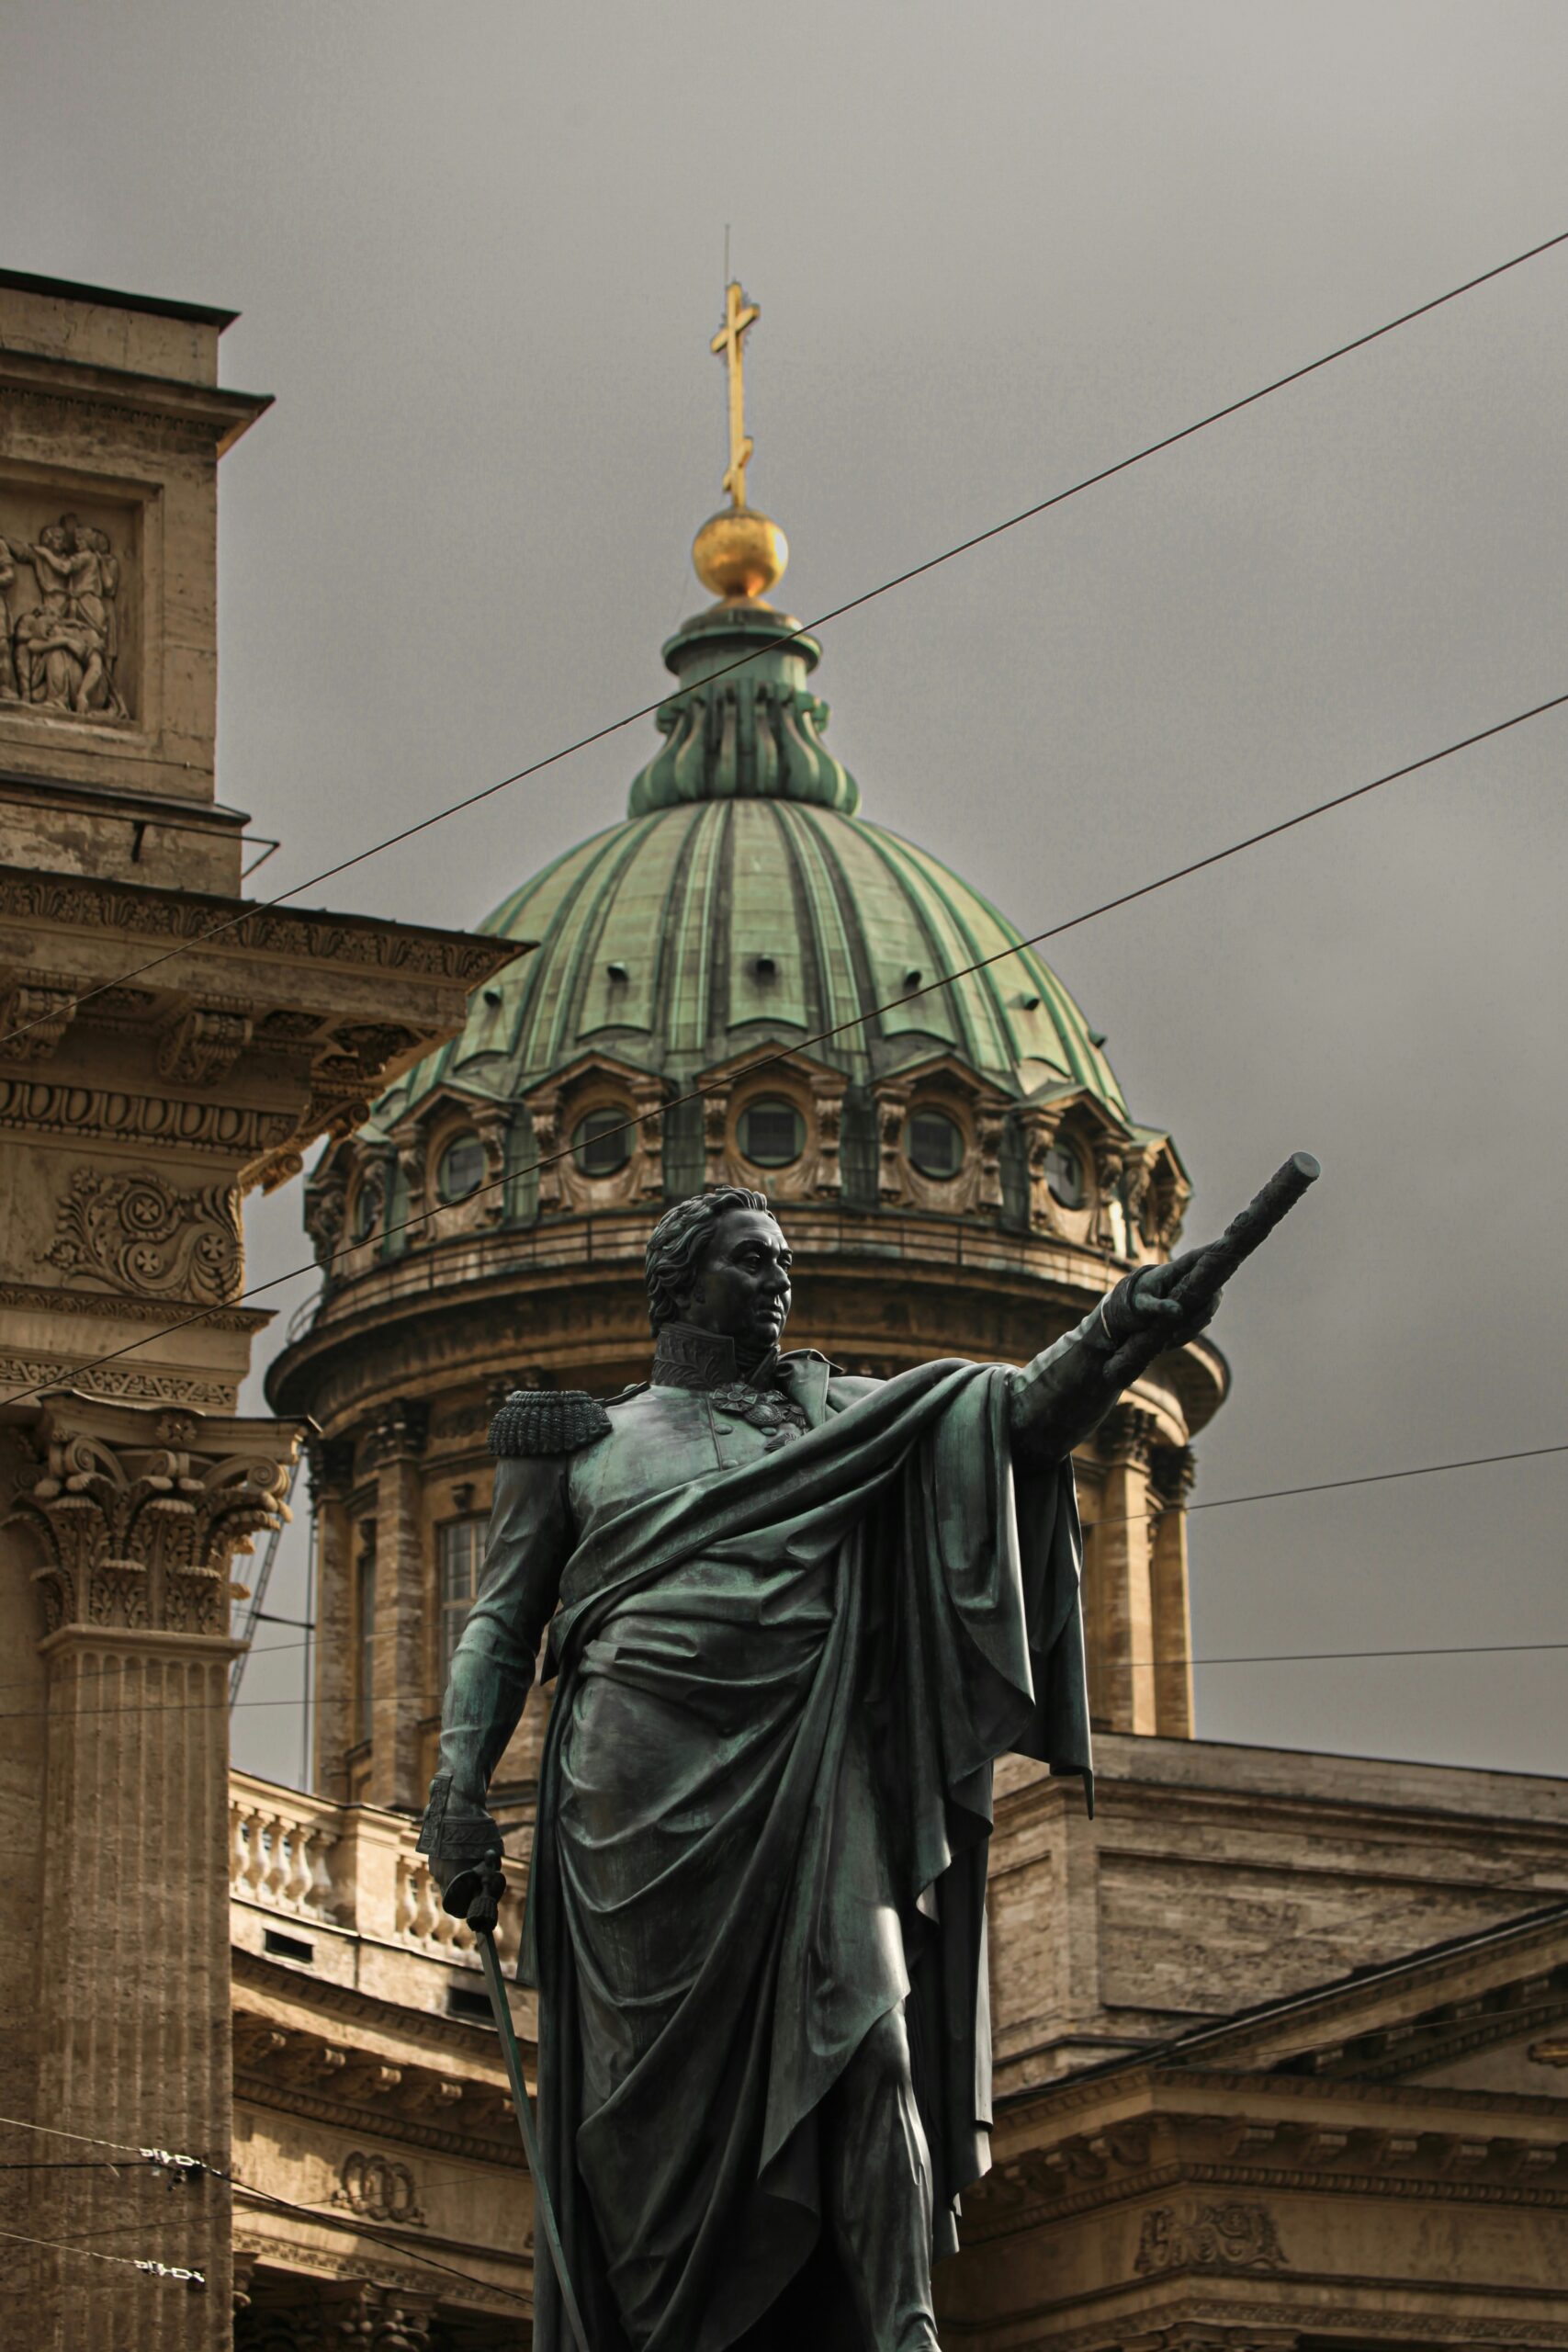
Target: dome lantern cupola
{"x":744,"y":724}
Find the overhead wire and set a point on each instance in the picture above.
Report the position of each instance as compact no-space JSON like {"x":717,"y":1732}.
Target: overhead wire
{"x":200,"y":2167}
{"x":784,"y":1053}
{"x":1102,"y":1519}
{"x":1282,"y":1494}
{"x":374,"y":2237}
{"x":176,"y":2274}
{"x":836,"y":612}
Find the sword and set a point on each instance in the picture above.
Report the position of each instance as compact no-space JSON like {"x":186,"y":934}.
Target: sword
{"x":544,"y":2211}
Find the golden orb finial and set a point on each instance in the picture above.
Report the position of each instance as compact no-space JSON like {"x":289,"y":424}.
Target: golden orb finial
{"x":738,"y":554}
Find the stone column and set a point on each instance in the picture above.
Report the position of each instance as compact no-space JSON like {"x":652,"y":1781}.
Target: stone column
{"x":133,"y":1516}
{"x":329,"y":1464}
{"x":398,"y":1681}
{"x":1124,"y":1592}
{"x":1172,"y":1472}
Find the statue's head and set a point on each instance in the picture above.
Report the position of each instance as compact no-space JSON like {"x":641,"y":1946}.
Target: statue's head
{"x":720,"y":1262}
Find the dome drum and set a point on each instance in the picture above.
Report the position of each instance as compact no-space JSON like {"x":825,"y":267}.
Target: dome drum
{"x":1058,"y":1164}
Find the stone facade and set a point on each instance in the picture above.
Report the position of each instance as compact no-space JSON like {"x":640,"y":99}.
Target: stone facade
{"x":1375,"y":2150}
{"x":163,"y":1046}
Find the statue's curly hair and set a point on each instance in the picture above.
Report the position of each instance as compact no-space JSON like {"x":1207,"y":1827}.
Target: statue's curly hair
{"x":679,"y":1240}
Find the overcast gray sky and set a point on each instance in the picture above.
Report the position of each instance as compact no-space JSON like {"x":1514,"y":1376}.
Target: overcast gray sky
{"x":479,"y":252}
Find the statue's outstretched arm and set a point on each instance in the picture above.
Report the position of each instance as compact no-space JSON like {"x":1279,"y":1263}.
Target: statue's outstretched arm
{"x":1072,"y":1384}
{"x":1058,"y":1398}
{"x":493,"y":1672}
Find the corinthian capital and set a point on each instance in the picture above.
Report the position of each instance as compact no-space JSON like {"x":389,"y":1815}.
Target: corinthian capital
{"x":136,"y":1513}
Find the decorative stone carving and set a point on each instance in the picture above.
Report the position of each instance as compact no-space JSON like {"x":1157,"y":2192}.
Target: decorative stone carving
{"x":990,"y":1124}
{"x":137,"y":1232}
{"x":380,"y":2188}
{"x":1127,"y":1436}
{"x":1173,"y":1472}
{"x":49,"y":1109}
{"x":62,"y":651}
{"x":202,"y":1044}
{"x":1040,"y":1122}
{"x":329,"y":1465}
{"x":892,"y":1108}
{"x":400,"y":1429}
{"x":827,"y":1089}
{"x":89,"y":903}
{"x":326,"y":1199}
{"x":1236,"y":2236}
{"x":33,"y":1373}
{"x":136,"y":1515}
{"x":648,"y":1094}
{"x":386,"y":2319}
{"x":35,"y":1013}
{"x":373,"y":1043}
{"x":716,"y":1133}
{"x":1110,"y":1228}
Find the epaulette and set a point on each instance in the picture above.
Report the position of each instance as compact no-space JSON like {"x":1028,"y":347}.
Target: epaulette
{"x":547,"y":1421}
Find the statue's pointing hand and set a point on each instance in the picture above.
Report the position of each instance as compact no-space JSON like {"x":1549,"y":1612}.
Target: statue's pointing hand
{"x":1156,"y":1308}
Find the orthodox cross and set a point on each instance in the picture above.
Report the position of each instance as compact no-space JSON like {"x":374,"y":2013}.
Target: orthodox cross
{"x":738,"y":315}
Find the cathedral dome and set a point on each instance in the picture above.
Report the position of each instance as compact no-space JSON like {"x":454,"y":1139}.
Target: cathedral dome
{"x":742,"y":903}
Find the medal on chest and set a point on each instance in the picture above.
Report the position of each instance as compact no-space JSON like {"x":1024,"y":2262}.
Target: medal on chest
{"x":768,"y":1410}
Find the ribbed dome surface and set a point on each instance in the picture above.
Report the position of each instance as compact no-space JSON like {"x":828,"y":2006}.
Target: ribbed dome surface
{"x":743,"y":903}
{"x":678,"y":938}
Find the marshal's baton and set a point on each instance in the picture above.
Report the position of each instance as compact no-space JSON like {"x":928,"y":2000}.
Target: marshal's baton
{"x":1216,"y":1264}
{"x":544,"y":2211}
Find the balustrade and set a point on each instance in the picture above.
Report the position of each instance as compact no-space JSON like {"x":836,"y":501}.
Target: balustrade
{"x":352,"y":1867}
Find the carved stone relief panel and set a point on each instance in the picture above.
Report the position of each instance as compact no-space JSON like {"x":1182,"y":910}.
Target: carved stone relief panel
{"x":71,"y":619}
{"x":379,"y":2187}
{"x":135,"y":1232}
{"x":1236,"y":2235}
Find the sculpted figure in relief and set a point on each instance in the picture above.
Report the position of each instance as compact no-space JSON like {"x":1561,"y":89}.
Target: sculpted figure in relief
{"x":62,"y":654}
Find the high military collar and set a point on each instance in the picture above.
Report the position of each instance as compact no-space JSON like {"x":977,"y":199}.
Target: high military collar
{"x":684,"y":1357}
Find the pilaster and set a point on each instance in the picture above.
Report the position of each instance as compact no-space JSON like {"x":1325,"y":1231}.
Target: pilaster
{"x":1172,"y":1471}
{"x":398,"y":1685}
{"x":1122,"y":1602}
{"x":329,"y":1467}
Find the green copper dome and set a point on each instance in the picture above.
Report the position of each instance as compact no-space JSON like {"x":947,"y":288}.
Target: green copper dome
{"x":742,"y":903}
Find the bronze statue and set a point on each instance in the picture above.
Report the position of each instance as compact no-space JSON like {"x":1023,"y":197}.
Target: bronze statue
{"x":793,"y":1620}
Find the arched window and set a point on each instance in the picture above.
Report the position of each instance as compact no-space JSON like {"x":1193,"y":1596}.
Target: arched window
{"x":460,"y":1545}
{"x":935,"y":1144}
{"x":604,"y":1141}
{"x":772,"y":1132}
{"x":461,"y":1167}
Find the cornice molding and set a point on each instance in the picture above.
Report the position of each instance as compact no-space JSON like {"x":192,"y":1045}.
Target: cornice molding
{"x":84,"y":902}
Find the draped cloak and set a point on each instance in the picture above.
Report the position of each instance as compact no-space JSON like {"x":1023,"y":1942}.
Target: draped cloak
{"x":763,"y":1813}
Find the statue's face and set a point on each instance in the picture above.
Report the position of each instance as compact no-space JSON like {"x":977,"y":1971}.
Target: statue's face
{"x":742,"y":1284}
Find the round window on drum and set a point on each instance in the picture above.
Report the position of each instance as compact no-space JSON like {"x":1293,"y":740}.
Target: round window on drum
{"x":1065,"y":1175}
{"x":602,"y":1143}
{"x":772,"y":1132}
{"x":935,"y":1145}
{"x":461,"y":1167}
